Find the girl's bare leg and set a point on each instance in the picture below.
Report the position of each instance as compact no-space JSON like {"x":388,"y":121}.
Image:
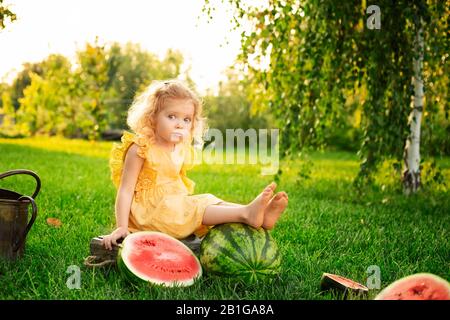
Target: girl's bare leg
{"x":252,"y":214}
{"x":230,"y":204}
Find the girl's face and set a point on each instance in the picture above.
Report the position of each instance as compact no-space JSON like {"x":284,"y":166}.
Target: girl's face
{"x":174,"y":122}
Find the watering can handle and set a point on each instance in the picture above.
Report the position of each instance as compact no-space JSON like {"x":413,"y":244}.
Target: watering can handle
{"x":24,"y":171}
{"x":20,"y":242}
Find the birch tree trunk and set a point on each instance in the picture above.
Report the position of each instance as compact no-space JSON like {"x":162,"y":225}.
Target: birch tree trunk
{"x":411,"y":156}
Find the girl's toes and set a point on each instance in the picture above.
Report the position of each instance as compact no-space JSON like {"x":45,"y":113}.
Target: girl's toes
{"x":267,"y":194}
{"x":271,"y":187}
{"x":278,"y":196}
{"x":268,"y":190}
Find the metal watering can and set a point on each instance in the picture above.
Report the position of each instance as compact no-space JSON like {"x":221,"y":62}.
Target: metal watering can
{"x":14,"y":224}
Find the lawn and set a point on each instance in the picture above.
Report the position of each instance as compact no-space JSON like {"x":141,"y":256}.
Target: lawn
{"x":328,"y":226}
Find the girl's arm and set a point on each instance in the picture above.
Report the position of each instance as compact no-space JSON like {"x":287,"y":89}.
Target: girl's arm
{"x":132,"y":166}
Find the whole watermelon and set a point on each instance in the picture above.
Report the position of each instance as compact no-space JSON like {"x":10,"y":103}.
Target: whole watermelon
{"x":240,"y":251}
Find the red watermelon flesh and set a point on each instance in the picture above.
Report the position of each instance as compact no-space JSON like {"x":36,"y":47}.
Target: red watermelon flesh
{"x":421,"y":286}
{"x":158,"y":258}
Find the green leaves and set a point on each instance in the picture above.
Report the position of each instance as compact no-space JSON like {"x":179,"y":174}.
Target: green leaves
{"x":5,"y":14}
{"x":81,"y":101}
{"x":323,"y":56}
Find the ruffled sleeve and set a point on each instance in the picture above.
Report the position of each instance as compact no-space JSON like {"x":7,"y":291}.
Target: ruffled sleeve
{"x":143,"y":145}
{"x":119,"y":152}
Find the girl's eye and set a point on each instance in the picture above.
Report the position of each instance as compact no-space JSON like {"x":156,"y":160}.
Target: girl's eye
{"x":171,"y":117}
{"x":187,"y":120}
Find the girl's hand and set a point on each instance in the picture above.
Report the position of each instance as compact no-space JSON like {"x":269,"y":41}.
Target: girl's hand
{"x":112,"y":238}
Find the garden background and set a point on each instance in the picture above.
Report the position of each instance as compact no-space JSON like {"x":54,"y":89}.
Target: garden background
{"x":362,"y":107}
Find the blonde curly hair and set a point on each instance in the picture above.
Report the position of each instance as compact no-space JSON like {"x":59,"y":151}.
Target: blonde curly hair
{"x":146,"y":106}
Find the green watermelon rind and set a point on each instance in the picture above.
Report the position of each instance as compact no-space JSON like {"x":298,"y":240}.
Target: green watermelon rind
{"x":221,"y":254}
{"x":387,"y":291}
{"x":134,"y":277}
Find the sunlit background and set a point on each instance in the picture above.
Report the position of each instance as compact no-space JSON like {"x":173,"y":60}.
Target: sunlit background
{"x":362,"y":114}
{"x":50,"y":26}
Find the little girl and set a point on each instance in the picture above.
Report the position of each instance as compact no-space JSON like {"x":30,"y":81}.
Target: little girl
{"x":149,"y":170}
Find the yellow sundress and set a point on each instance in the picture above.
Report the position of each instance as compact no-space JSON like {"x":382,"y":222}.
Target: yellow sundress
{"x":163,"y":197}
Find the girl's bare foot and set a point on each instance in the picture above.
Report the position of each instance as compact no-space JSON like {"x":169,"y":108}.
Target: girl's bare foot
{"x":254,"y":214}
{"x":274,"y":209}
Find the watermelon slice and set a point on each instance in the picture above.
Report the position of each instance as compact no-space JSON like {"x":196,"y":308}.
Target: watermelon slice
{"x":158,"y":258}
{"x":420,"y":286}
{"x":331,"y":281}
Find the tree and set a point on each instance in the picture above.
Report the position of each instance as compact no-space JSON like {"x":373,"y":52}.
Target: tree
{"x":231,"y":107}
{"x":5,"y":14}
{"x":45,"y":103}
{"x":23,"y":80}
{"x":93,"y":75}
{"x":130,"y":70}
{"x":7,"y":114}
{"x":51,"y":97}
{"x":319,"y":50}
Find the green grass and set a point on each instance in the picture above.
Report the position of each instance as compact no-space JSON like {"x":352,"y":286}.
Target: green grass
{"x":328,"y":226}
